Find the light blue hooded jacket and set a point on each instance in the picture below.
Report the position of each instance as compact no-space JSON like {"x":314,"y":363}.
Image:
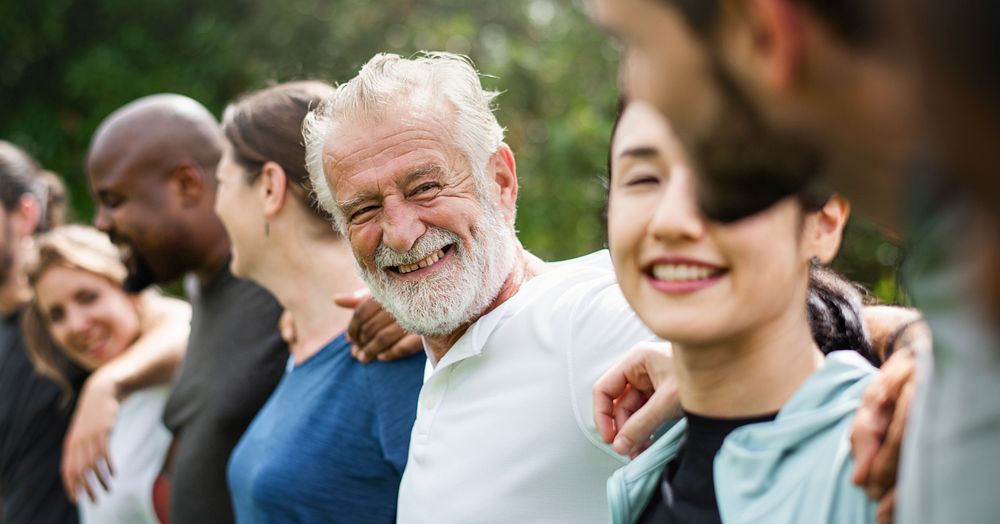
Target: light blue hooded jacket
{"x":795,"y":470}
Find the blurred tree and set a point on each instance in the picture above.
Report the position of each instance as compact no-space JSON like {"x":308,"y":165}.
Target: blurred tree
{"x":64,"y":65}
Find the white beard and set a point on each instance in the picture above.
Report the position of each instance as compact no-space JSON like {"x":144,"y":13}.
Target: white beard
{"x":453,"y":296}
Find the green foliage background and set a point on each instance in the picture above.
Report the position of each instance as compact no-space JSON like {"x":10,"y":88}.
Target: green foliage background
{"x":66,"y":64}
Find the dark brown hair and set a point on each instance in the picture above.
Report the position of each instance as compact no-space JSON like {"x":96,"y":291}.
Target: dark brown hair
{"x":21,"y":175}
{"x":266,"y":126}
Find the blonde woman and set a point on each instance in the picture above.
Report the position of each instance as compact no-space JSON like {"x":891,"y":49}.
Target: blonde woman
{"x":82,"y":316}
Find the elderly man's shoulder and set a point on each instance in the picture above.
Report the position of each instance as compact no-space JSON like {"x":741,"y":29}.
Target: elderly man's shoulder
{"x":588,"y":272}
{"x":581,"y":286}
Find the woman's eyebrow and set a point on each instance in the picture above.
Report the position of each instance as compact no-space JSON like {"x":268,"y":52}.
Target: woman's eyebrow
{"x":639,"y":152}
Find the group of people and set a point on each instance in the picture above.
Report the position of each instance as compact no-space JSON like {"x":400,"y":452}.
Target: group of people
{"x":366,"y":339}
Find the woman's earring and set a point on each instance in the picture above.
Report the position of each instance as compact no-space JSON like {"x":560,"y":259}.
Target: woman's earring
{"x":814,"y":261}
{"x":267,"y":228}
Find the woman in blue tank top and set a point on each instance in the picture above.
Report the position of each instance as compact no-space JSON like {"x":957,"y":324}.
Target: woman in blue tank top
{"x":331,"y":443}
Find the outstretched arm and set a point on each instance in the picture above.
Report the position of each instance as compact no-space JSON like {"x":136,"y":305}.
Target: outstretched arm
{"x":152,"y":360}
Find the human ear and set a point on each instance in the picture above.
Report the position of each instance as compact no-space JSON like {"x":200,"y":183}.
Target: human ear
{"x":25,"y":216}
{"x":189,"y":182}
{"x":764,"y":41}
{"x":273,"y":188}
{"x":504,"y":171}
{"x":824,"y":229}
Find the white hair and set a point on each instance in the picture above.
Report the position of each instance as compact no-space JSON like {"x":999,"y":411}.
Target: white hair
{"x":388,"y":80}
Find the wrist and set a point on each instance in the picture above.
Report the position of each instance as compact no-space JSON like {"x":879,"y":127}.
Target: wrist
{"x":901,"y":339}
{"x":107,"y":380}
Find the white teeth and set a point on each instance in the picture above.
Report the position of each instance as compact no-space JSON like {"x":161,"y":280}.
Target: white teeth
{"x":680,"y":273}
{"x":430,"y":259}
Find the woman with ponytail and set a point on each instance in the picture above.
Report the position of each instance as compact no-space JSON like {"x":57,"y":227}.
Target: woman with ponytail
{"x":755,"y":325}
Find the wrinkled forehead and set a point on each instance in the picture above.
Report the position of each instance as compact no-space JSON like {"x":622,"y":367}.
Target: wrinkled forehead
{"x":414,"y":134}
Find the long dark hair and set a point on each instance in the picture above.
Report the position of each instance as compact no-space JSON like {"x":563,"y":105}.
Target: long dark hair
{"x":266,"y":126}
{"x":835,"y":304}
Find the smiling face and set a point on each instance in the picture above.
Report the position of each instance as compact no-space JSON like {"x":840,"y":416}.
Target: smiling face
{"x":241,"y":213}
{"x":137,"y":210}
{"x":692,"y":281}
{"x":89,"y":317}
{"x":434,"y":245}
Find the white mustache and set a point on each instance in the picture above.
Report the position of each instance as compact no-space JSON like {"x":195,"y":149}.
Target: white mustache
{"x":434,"y":239}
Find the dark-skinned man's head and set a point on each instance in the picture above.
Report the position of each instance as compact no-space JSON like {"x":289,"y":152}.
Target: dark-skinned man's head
{"x":151,"y":167}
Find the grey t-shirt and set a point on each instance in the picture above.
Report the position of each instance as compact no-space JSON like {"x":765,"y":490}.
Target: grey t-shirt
{"x":950,"y":468}
{"x":33,"y":423}
{"x":234,"y":360}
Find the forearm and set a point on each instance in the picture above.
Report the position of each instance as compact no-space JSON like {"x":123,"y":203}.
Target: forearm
{"x":154,"y":358}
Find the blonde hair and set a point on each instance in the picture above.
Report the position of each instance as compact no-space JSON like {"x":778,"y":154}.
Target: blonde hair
{"x":73,"y":247}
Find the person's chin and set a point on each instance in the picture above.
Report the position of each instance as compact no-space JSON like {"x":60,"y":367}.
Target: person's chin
{"x":139,"y":277}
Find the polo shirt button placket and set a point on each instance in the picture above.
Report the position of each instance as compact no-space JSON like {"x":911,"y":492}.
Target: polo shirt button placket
{"x":430,"y":399}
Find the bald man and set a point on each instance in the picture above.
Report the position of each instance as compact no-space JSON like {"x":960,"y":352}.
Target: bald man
{"x":151,"y":167}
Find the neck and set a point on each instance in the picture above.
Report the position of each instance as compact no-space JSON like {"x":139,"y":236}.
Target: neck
{"x":216,"y":252}
{"x":14,"y":294}
{"x":304,"y":274}
{"x":526,"y":267}
{"x":749,"y":374}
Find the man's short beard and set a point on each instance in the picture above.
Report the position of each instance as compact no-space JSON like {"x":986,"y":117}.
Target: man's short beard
{"x":139,"y":277}
{"x":746,"y":165}
{"x":453,"y":297}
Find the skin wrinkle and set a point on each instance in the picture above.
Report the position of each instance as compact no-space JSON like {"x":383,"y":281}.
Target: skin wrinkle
{"x":350,"y":205}
{"x":372,"y":145}
{"x":424,"y":143}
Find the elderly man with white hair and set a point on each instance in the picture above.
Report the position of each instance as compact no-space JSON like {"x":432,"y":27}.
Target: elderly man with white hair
{"x":409,"y":159}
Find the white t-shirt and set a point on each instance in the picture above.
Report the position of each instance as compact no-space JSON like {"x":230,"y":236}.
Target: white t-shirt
{"x":137,"y":447}
{"x":504,"y":431}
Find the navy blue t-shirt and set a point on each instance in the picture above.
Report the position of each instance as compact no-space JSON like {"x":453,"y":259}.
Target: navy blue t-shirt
{"x":330,"y":444}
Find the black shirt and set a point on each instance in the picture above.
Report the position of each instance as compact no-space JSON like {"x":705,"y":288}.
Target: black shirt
{"x":234,"y":360}
{"x":687,"y":487}
{"x":33,"y":423}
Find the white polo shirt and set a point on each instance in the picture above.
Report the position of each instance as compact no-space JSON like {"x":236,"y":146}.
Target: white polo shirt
{"x":504,"y":430}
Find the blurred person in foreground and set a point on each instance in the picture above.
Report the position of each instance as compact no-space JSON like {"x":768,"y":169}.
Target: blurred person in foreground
{"x":409,"y":160}
{"x":338,"y":427}
{"x":81,"y":313}
{"x":151,"y":167}
{"x":780,"y":97}
{"x":954,"y":454}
